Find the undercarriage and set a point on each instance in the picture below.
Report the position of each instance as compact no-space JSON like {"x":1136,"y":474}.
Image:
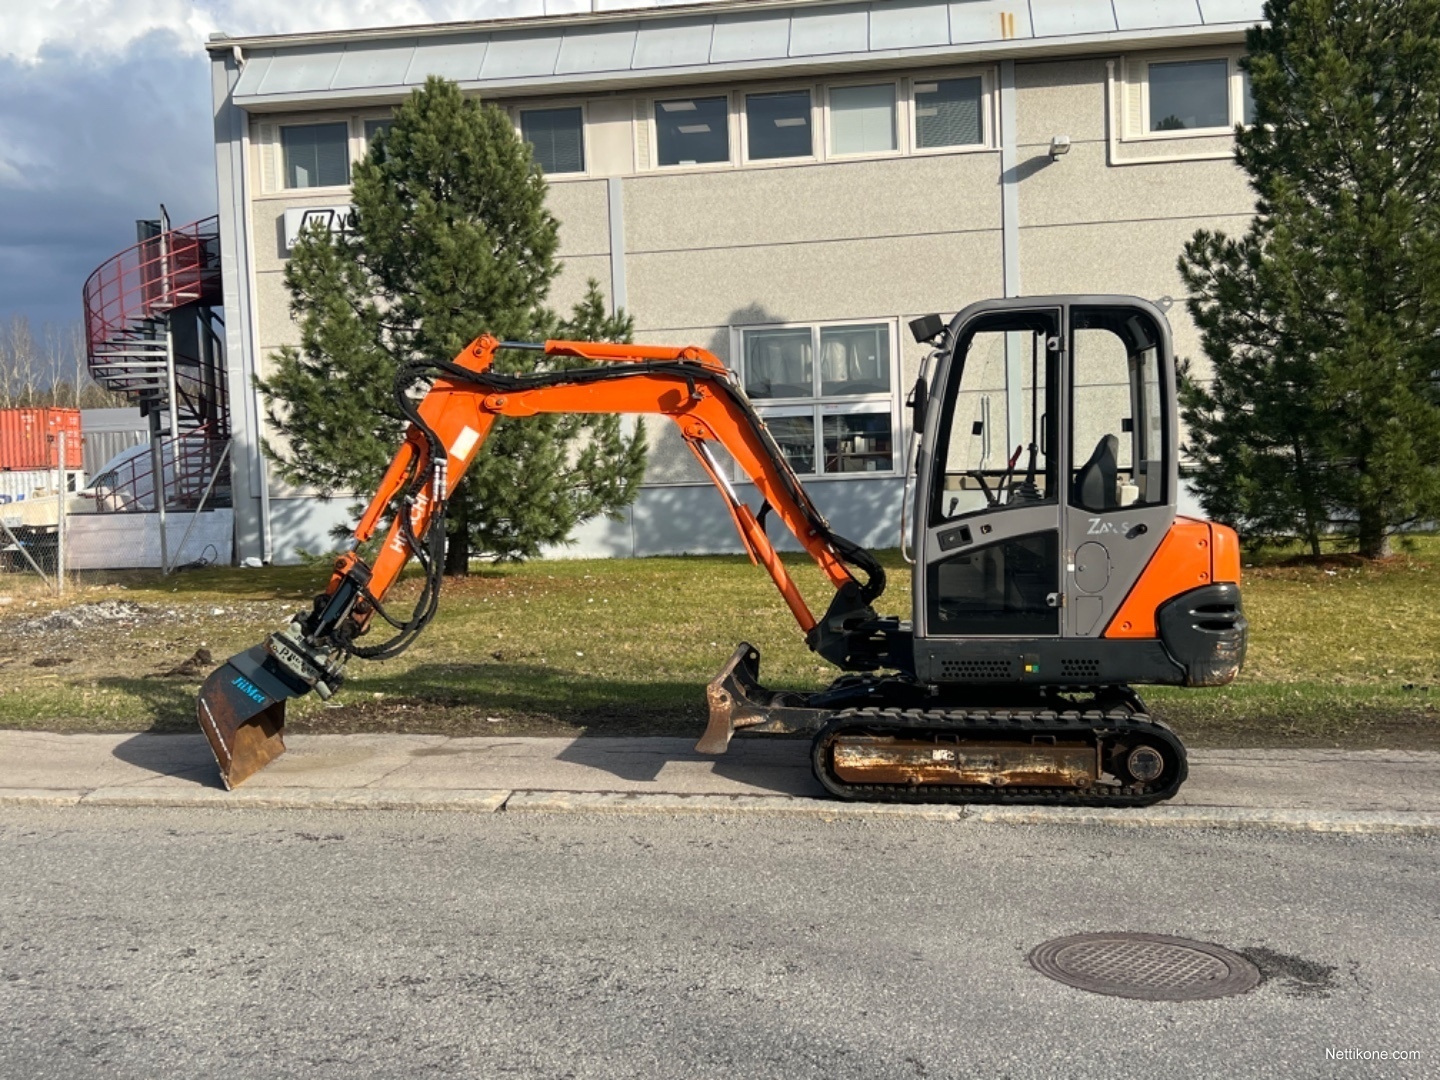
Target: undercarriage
{"x":891,"y":739}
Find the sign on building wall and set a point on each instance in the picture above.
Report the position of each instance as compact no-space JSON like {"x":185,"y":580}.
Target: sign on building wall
{"x":333,"y":219}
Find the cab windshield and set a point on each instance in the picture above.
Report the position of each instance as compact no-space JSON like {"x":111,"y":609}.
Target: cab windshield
{"x":995,"y":447}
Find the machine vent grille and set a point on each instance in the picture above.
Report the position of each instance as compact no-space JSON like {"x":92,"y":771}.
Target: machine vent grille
{"x":985,"y":670}
{"x":1079,"y":667}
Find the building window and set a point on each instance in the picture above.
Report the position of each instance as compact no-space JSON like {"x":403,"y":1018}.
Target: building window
{"x":316,"y":155}
{"x":557,"y":137}
{"x":948,"y":112}
{"x":1189,"y":95}
{"x":693,"y":131}
{"x":862,"y":119}
{"x":854,"y":360}
{"x":778,"y":125}
{"x":825,"y":392}
{"x":1247,"y":100}
{"x":374,"y":127}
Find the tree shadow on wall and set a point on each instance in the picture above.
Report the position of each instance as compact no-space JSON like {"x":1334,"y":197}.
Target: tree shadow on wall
{"x":681,"y":513}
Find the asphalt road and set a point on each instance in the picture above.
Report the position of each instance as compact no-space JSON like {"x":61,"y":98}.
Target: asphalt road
{"x":145,"y":943}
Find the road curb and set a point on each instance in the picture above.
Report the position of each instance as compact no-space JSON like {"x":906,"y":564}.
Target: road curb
{"x":474,"y":800}
{"x":41,"y":796}
{"x":1219,"y":817}
{"x":490,"y":800}
{"x":630,"y":802}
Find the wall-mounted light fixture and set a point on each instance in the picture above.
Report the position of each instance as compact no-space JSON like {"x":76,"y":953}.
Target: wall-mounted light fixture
{"x":1059,"y":144}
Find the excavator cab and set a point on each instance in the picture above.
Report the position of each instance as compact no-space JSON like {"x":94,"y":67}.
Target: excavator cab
{"x":1047,"y":479}
{"x":1052,"y":569}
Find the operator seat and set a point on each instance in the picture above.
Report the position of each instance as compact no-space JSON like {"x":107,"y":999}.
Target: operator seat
{"x":1095,"y":482}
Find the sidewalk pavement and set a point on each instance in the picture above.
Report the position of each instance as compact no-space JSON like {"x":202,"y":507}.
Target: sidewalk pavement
{"x":1317,"y":790}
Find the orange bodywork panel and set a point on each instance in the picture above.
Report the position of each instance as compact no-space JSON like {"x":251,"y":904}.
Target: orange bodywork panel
{"x":1225,"y":553}
{"x":461,"y":416}
{"x":1193,"y":553}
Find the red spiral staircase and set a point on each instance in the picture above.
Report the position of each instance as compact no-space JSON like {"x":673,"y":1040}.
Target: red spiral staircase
{"x":155,"y":307}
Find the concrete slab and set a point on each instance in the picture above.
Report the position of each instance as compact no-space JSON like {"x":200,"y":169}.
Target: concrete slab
{"x":43,"y":759}
{"x":751,"y":766}
{"x":1333,"y":790}
{"x":348,"y":761}
{"x":1406,"y":780}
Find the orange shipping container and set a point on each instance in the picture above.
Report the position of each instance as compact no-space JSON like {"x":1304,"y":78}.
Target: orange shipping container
{"x":29,"y":438}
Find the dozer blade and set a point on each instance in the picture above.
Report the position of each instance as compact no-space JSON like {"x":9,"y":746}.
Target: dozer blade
{"x":242,"y":712}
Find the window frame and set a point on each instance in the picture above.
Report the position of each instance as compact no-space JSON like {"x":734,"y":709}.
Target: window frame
{"x":1134,"y":388}
{"x":1234,"y":104}
{"x":817,"y":123}
{"x":583,"y":105}
{"x":987,"y":111}
{"x":365,"y":121}
{"x":1245,"y":93}
{"x":732,"y":131}
{"x":283,"y":173}
{"x":647,"y":141}
{"x":819,"y":406}
{"x":900,"y":114}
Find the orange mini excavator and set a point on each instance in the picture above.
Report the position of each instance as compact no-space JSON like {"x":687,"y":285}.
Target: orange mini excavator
{"x":1046,"y":582}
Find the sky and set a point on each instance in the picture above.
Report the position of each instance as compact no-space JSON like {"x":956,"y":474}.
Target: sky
{"x":105,"y":113}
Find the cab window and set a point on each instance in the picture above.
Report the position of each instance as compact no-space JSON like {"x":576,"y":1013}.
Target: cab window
{"x":1117,"y":426}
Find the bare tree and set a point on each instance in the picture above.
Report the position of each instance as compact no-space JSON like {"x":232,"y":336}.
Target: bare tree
{"x":19,"y":363}
{"x":51,"y":371}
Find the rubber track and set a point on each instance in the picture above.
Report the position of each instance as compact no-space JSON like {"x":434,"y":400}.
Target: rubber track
{"x":1009,"y":725}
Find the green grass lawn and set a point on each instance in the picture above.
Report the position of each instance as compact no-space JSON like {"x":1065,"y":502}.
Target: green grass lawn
{"x":1342,"y":654}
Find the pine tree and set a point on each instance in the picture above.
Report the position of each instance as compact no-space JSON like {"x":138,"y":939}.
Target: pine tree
{"x":1322,"y":323}
{"x":451,"y":239}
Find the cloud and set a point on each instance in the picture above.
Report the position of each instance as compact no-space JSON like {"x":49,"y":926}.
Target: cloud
{"x":87,"y":149}
{"x":105,"y":113}
{"x":59,"y":31}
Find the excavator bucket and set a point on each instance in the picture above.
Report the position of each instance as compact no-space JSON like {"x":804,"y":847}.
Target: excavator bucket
{"x":242,"y":712}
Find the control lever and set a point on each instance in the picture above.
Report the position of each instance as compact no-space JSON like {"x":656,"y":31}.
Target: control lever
{"x":1027,"y":491}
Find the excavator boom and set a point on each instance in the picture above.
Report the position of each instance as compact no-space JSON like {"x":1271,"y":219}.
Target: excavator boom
{"x":242,"y":705}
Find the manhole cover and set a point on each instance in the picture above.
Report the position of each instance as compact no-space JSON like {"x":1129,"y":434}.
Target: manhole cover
{"x":1150,"y":967}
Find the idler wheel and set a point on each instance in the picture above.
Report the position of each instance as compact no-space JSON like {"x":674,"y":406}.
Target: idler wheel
{"x":1145,"y":764}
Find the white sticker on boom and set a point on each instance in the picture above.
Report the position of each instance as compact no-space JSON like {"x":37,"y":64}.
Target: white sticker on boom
{"x":464,"y":443}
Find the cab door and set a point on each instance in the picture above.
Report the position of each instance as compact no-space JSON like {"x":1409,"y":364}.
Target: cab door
{"x":1122,"y":471}
{"x":990,"y":514}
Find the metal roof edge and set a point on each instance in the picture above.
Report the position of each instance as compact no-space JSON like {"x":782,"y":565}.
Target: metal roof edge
{"x":529,"y":22}
{"x":1030,"y":49}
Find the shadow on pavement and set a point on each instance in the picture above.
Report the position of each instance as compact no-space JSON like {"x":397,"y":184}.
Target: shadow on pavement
{"x":776,"y":765}
{"x":185,"y":756}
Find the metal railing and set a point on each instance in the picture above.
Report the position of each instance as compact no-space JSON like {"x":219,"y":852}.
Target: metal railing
{"x":128,"y":294}
{"x":191,"y":469}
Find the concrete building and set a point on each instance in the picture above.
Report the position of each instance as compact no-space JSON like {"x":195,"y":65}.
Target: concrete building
{"x":783,"y":183}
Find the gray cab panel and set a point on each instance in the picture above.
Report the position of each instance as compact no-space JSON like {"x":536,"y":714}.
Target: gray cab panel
{"x":1046,"y":481}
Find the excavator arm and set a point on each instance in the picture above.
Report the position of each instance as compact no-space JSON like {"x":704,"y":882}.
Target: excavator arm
{"x":242,"y":705}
